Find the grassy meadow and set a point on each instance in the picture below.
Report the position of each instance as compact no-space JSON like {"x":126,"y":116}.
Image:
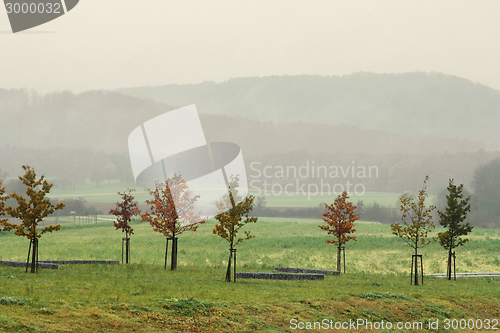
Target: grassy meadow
{"x":278,"y":242}
{"x":106,"y":193}
{"x":142,"y":297}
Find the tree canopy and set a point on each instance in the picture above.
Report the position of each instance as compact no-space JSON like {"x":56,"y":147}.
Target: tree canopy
{"x":172,"y":208}
{"x":418,"y":223}
{"x":31,"y":210}
{"x":233,"y":214}
{"x":340,"y":217}
{"x":124,"y":211}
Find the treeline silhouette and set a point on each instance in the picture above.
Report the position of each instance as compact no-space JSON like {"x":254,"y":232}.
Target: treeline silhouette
{"x":414,"y":103}
{"x":372,"y":212}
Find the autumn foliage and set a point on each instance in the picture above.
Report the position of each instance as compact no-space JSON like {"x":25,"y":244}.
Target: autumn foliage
{"x":31,"y":210}
{"x":417,"y":222}
{"x":233,"y":214}
{"x":124,"y":211}
{"x":3,"y":198}
{"x":172,"y":210}
{"x":339,"y":218}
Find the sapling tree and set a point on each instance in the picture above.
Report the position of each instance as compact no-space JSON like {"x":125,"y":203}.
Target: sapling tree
{"x":231,"y":218}
{"x":417,"y":223}
{"x":339,"y":218}
{"x":3,"y":198}
{"x":31,"y":210}
{"x":172,"y":212}
{"x":453,"y":220}
{"x":124,"y":211}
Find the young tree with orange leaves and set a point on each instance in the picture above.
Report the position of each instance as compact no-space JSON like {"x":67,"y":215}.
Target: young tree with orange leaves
{"x":172,"y":212}
{"x":31,"y":210}
{"x":124,"y":211}
{"x":2,"y":203}
{"x":418,"y":223}
{"x":340,"y":217}
{"x":232,"y":217}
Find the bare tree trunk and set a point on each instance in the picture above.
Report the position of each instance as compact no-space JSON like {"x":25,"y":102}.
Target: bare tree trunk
{"x":339,"y":269}
{"x":449,"y":265}
{"x":28,"y":259}
{"x":228,"y":272}
{"x":173,"y":260}
{"x":127,"y":248}
{"x":234,"y":265}
{"x":166,"y":255}
{"x":34,"y":255}
{"x":416,"y":266}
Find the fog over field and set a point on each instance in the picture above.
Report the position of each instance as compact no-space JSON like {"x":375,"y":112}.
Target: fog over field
{"x":406,"y":90}
{"x":400,"y":126}
{"x":330,"y":159}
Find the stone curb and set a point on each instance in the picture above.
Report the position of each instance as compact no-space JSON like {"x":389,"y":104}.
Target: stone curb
{"x":23,"y":264}
{"x":305,"y":270}
{"x":81,"y":262}
{"x":54,"y":264}
{"x":279,"y":276}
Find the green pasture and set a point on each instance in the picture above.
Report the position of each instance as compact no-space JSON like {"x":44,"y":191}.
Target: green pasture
{"x":277,"y":242}
{"x":104,"y":193}
{"x":143,"y":297}
{"x":107,"y":193}
{"x":312,"y":200}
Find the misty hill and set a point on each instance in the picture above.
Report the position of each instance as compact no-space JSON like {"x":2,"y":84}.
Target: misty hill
{"x":102,"y":121}
{"x":76,"y":136}
{"x":95,"y":120}
{"x":429,"y":104}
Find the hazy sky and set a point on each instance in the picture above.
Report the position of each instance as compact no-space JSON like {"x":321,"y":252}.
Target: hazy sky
{"x":121,"y":43}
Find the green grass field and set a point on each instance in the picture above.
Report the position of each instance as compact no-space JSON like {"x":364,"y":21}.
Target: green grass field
{"x":107,"y":193}
{"x":142,"y":297}
{"x":278,"y":242}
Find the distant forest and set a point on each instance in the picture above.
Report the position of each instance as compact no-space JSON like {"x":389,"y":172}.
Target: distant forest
{"x":446,"y":132}
{"x":418,"y":103}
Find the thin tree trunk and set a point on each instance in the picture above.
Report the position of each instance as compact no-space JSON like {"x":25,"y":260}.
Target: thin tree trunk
{"x":176,"y":242}
{"x":454,"y":266}
{"x":234,"y":265}
{"x":449,"y":264}
{"x":28,"y":259}
{"x":127,"y":248}
{"x":166,"y":255}
{"x":173,"y":260}
{"x":228,"y":272}
{"x":34,"y":255}
{"x":416,"y":266}
{"x":339,"y":268}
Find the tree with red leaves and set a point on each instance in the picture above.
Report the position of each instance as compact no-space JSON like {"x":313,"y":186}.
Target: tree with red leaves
{"x":340,"y":217}
{"x":172,"y":212}
{"x":124,"y":212}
